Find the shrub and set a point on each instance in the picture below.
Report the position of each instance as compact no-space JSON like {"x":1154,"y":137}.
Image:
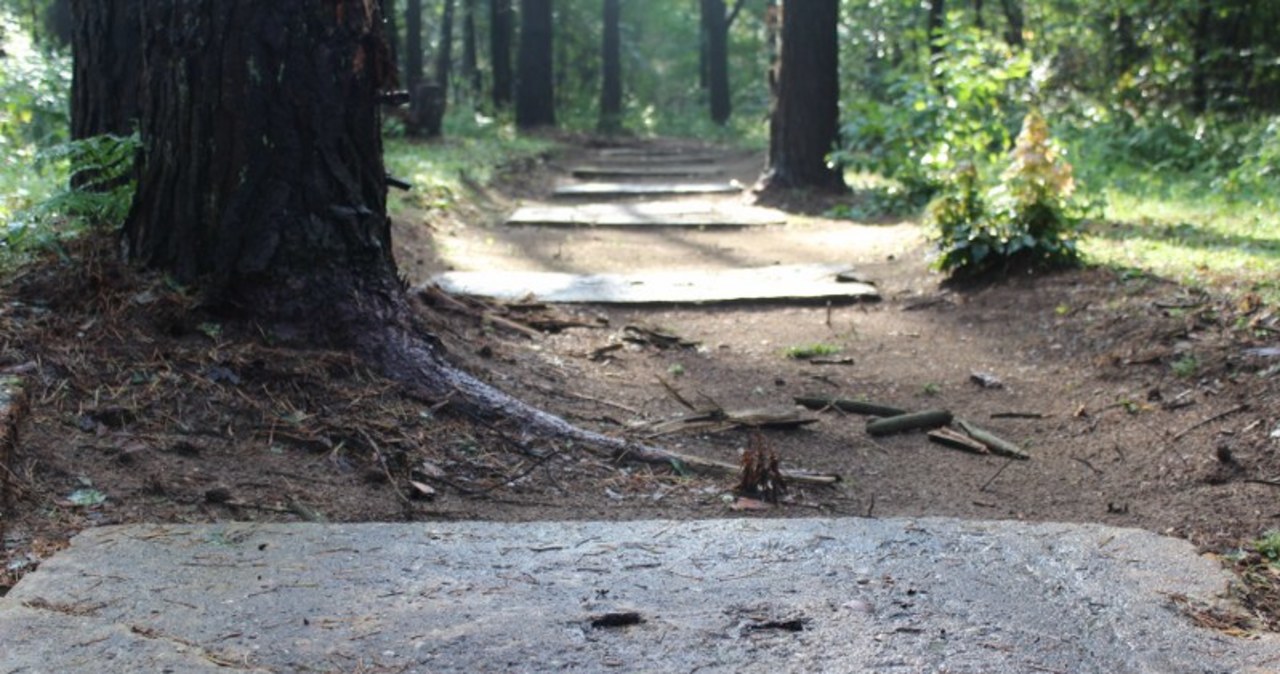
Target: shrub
{"x":1028,"y":220}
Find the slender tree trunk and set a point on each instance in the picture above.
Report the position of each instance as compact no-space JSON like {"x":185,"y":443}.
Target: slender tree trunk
{"x":470,"y":67}
{"x":444,"y":52}
{"x":978,"y":20}
{"x":713,"y":12}
{"x":1200,"y":44}
{"x":393,"y":32}
{"x":412,"y":44}
{"x":804,"y":125}
{"x":535,"y":88}
{"x":611,"y":77}
{"x":936,"y":23}
{"x":107,"y":49}
{"x":500,"y":51}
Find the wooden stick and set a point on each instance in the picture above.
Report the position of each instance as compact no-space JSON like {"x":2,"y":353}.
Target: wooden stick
{"x":852,"y":406}
{"x":907,"y":422}
{"x":995,"y":443}
{"x":949,"y":438}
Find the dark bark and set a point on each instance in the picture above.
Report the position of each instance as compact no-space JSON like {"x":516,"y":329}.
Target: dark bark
{"x":470,"y":67}
{"x":717,"y":37}
{"x":412,"y":43}
{"x":59,"y":22}
{"x":978,"y":20}
{"x":500,"y":51}
{"x":107,"y":50}
{"x":268,"y":189}
{"x":1014,"y":18}
{"x":804,"y":125}
{"x":535,"y":89}
{"x":611,"y":77}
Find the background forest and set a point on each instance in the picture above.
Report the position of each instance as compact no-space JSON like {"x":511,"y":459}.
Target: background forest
{"x":1167,"y":112}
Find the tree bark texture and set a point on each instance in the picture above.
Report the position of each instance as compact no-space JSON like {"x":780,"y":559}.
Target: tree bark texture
{"x":500,"y":51}
{"x":107,"y":48}
{"x":262,"y":178}
{"x":535,"y":89}
{"x":444,"y":54}
{"x":717,"y":36}
{"x":611,"y":76}
{"x":805,"y":120}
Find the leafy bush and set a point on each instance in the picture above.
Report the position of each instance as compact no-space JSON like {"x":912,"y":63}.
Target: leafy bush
{"x":1026,"y":220}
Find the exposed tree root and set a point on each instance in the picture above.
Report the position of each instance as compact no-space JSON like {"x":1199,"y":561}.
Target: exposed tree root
{"x":415,"y":361}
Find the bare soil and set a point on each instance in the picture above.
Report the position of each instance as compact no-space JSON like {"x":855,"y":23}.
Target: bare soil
{"x":1141,"y":402}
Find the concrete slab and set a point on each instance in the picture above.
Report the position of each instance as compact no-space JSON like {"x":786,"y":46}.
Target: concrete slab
{"x":647,"y":214}
{"x":813,"y":595}
{"x":643,"y":171}
{"x":778,"y":283}
{"x":602,"y":190}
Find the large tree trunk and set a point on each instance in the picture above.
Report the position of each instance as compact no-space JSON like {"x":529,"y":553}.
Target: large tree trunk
{"x":267,"y":191}
{"x":535,"y":89}
{"x":805,"y":120}
{"x":500,"y":51}
{"x":717,"y":41}
{"x":611,"y":76}
{"x":107,"y":49}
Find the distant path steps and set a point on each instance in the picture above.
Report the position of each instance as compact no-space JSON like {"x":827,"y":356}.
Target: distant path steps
{"x":594,"y":172}
{"x":647,"y":214}
{"x":779,"y":283}
{"x":611,"y":189}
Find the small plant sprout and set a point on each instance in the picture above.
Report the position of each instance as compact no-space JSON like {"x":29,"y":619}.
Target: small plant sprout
{"x":1186,"y":366}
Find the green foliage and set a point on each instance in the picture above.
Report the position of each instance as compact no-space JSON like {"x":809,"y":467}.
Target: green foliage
{"x":925,"y":126}
{"x":100,"y":191}
{"x":1269,"y":547}
{"x":807,"y":351}
{"x":1027,"y":220}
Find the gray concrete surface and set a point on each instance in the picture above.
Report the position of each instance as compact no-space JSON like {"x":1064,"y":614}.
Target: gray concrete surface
{"x":813,"y":595}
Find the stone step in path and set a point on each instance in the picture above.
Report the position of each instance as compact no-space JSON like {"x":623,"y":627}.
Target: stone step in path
{"x":640,"y":171}
{"x":779,"y":283}
{"x":684,"y":213}
{"x":613,"y":190}
{"x":768,"y":595}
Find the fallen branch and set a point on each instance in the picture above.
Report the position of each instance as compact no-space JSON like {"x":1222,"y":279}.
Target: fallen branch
{"x":1238,"y":408}
{"x":995,"y":443}
{"x":719,"y":419}
{"x":908,"y":422}
{"x":851,"y":406}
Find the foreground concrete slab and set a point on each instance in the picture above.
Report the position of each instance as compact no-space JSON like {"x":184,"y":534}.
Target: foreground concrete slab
{"x":814,"y":595}
{"x":779,"y":283}
{"x":693,"y":213}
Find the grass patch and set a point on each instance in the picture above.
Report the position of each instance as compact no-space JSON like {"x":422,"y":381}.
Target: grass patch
{"x":1181,"y":229}
{"x":807,"y":351}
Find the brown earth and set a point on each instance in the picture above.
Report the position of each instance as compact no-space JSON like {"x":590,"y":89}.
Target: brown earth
{"x":1139,"y":400}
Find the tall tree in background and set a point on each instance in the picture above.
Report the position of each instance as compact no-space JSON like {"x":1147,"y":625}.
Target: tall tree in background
{"x":500,"y":25}
{"x":107,"y":49}
{"x":934,"y":25}
{"x":535,"y":89}
{"x":470,"y":65}
{"x":611,"y":70}
{"x":412,"y":44}
{"x":804,"y":125}
{"x":393,"y":31}
{"x":715,"y":31}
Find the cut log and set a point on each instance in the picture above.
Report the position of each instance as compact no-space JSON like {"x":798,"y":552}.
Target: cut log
{"x":697,"y":213}
{"x":851,"y":406}
{"x":994,"y":443}
{"x":643,"y":171}
{"x":909,"y":422}
{"x":601,"y":190}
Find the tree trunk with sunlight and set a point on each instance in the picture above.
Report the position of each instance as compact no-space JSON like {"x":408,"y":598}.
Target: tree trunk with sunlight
{"x":805,"y":122}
